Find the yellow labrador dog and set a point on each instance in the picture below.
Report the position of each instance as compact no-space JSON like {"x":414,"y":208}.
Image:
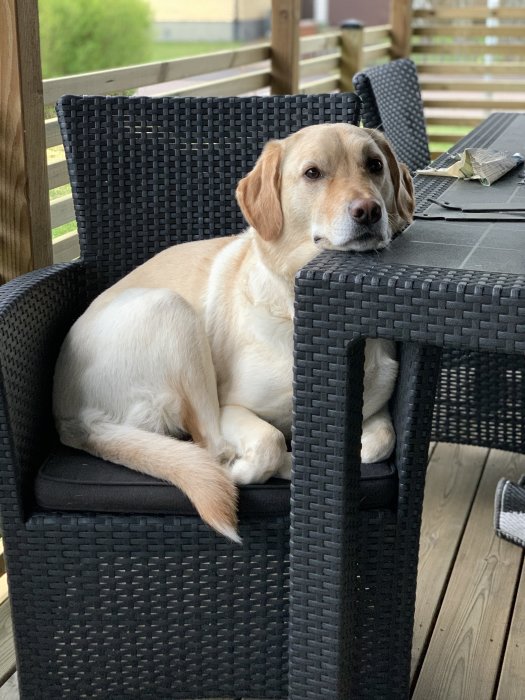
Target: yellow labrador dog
{"x":198,"y":341}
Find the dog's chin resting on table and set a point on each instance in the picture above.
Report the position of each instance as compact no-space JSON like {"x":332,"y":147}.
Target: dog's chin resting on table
{"x":198,"y":340}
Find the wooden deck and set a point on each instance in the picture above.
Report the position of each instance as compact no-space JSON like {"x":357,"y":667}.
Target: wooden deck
{"x":469,"y":638}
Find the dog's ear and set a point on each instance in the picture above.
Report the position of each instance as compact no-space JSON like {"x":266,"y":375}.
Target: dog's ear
{"x":401,"y":178}
{"x":258,"y":193}
{"x":405,"y":197}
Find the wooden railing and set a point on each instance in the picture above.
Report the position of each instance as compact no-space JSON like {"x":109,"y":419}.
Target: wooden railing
{"x":327,"y":63}
{"x":471,"y":61}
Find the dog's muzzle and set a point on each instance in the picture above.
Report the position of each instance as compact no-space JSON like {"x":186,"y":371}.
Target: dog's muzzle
{"x":366,"y":211}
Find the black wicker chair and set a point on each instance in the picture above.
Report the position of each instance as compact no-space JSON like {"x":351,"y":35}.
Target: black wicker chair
{"x":391,"y":101}
{"x":117,"y":588}
{"x":475,"y":389}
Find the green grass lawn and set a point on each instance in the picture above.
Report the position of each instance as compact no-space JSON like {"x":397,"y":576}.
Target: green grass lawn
{"x":166,"y":50}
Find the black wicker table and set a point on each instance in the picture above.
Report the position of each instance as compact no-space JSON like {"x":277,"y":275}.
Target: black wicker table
{"x":442,"y":284}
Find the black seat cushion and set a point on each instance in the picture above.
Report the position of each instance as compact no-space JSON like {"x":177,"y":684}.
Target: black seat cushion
{"x":76,"y":481}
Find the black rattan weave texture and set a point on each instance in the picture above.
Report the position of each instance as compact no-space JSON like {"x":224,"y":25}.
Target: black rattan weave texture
{"x":117,"y":606}
{"x":352,"y":598}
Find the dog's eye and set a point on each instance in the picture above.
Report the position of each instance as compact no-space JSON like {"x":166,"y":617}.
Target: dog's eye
{"x":374,"y":165}
{"x":313,"y":173}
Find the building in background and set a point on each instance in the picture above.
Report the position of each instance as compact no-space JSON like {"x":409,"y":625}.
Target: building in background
{"x":211,"y":20}
{"x":333,"y":12}
{"x":248,"y":20}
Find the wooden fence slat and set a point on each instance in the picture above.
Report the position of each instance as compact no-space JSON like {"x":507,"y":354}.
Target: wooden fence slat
{"x":480,"y":13}
{"x":377,"y":34}
{"x":53,"y":136}
{"x":451,"y":120}
{"x":460,"y":48}
{"x":445,"y":138}
{"x":502,"y":105}
{"x":480,"y":31}
{"x":372,"y":53}
{"x":66,"y":248}
{"x":319,"y":65}
{"x":57,"y":174}
{"x":118,"y":79}
{"x":237,"y":85}
{"x":471,"y":68}
{"x":463,"y":655}
{"x":319,"y":42}
{"x":62,"y":211}
{"x":317,"y":86}
{"x":473,"y":85}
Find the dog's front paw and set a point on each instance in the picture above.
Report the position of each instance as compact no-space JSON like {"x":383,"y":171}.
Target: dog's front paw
{"x":285,"y":470}
{"x":225,"y":453}
{"x":377,"y":441}
{"x":247,"y":471}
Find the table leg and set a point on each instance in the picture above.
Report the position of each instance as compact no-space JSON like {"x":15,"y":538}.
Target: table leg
{"x":353,"y":573}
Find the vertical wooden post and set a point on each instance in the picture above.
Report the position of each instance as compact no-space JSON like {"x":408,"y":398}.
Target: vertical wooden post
{"x":351,"y":52}
{"x":401,"y":22}
{"x":25,"y":224}
{"x":285,"y":47}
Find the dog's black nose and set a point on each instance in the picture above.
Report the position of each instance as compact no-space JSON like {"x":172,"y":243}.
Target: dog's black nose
{"x":365,"y":211}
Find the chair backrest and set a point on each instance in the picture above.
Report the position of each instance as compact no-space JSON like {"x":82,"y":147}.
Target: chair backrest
{"x":150,"y":172}
{"x":391,"y":101}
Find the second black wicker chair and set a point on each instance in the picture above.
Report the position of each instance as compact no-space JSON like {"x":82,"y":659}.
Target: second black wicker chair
{"x":391,"y":101}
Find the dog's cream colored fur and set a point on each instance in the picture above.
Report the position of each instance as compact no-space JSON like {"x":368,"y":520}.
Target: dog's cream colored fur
{"x":198,"y":340}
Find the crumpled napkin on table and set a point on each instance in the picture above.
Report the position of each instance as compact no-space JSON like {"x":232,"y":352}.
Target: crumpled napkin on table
{"x":477,"y":164}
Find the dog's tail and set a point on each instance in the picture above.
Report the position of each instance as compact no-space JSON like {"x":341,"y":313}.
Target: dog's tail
{"x":186,"y":465}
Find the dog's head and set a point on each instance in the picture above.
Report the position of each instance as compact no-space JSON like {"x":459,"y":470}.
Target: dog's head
{"x":330,"y":186}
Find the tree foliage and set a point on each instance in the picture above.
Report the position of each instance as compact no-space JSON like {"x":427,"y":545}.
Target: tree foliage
{"x":77,"y":36}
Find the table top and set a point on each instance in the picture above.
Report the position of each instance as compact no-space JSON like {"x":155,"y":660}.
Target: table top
{"x":469,"y":245}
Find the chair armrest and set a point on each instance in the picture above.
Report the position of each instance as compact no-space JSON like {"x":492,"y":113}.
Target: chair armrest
{"x":36,"y":310}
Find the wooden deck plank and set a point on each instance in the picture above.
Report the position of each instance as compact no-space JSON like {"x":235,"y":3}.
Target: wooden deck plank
{"x":452,"y":479}
{"x":463,"y":656}
{"x":512,"y":678}
{"x":9,"y":691}
{"x":7,"y":650}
